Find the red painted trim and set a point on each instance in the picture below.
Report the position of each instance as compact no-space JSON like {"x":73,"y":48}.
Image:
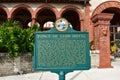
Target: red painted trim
{"x":46,"y":6}
{"x":5,"y":9}
{"x":76,"y":9}
{"x":21,"y":6}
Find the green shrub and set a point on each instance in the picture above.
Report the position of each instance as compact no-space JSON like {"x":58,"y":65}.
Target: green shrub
{"x":15,"y":40}
{"x":92,"y":44}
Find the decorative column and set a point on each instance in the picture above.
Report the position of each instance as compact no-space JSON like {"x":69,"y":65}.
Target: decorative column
{"x":87,"y":19}
{"x":82,"y":28}
{"x":33,"y":21}
{"x":102,"y":37}
{"x":9,"y":17}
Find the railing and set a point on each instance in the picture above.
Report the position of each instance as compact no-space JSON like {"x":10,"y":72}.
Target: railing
{"x":115,"y":26}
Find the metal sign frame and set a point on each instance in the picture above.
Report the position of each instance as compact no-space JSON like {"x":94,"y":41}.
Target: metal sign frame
{"x":61,"y":51}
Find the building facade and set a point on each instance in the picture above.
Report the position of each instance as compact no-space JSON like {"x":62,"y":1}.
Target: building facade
{"x":101,"y":18}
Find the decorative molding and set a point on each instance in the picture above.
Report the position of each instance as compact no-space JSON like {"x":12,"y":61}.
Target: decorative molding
{"x":21,"y":6}
{"x":102,"y":16}
{"x":47,"y":6}
{"x":105,"y":5}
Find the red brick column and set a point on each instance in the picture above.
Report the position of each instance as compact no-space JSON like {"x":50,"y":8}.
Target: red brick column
{"x":87,"y":20}
{"x":102,"y":37}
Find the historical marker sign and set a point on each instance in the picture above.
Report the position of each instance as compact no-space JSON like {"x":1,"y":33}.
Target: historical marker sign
{"x":61,"y":49}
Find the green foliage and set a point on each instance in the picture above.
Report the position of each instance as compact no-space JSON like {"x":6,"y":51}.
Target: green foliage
{"x":1,"y":39}
{"x":116,"y":42}
{"x":92,"y":44}
{"x":11,"y":23}
{"x":16,"y":40}
{"x":113,"y":42}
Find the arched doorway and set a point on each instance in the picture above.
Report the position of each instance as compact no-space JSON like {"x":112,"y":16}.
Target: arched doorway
{"x":112,"y":7}
{"x":72,"y":17}
{"x":106,"y":21}
{"x":3,"y":16}
{"x":114,"y":23}
{"x":22,"y":15}
{"x":43,"y":16}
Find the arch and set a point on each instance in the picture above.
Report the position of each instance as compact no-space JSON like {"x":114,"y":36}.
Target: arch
{"x":45,"y":13}
{"x":21,"y":6}
{"x":110,"y":7}
{"x":20,"y":11}
{"x":47,"y":6}
{"x":105,"y":5}
{"x":74,"y":8}
{"x":102,"y":17}
{"x":5,"y":9}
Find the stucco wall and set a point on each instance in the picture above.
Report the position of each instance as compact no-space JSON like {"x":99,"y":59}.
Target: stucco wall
{"x":8,"y":67}
{"x":25,"y":63}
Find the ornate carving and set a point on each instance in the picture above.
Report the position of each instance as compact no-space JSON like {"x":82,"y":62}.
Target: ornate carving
{"x":104,"y":31}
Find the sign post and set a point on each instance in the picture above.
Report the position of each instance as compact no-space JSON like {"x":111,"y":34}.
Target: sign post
{"x":61,"y":50}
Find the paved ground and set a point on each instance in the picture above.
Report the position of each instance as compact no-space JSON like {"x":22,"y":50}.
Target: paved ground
{"x":93,"y":74}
